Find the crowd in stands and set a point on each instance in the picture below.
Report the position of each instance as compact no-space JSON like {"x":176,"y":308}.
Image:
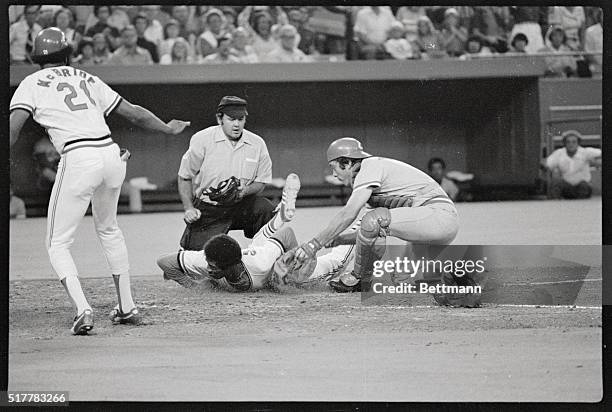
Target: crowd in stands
{"x":237,"y":34}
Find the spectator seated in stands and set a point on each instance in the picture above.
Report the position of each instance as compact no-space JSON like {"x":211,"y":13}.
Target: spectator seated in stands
{"x":208,"y":41}
{"x":188,"y":27}
{"x":519,"y":43}
{"x":130,"y":53}
{"x":428,"y":41}
{"x":230,"y":15}
{"x":241,"y":47}
{"x":64,"y":21}
{"x":22,"y":34}
{"x":305,"y":38}
{"x":571,"y":167}
{"x":46,"y":17}
{"x":593,"y":43}
{"x":490,"y":25}
{"x":571,"y":20}
{"x":101,"y":52}
{"x":474,"y":48}
{"x":397,"y":45}
{"x":561,"y":66}
{"x":453,"y":35}
{"x":409,"y":16}
{"x":111,"y":33}
{"x":85,"y":53}
{"x":372,"y":24}
{"x":527,"y":23}
{"x":223,"y":54}
{"x":171,"y":33}
{"x":140,"y":24}
{"x":17,"y":207}
{"x":260,"y":30}
{"x":179,"y":54}
{"x":286,"y":51}
{"x":154,"y":31}
{"x":437,"y":170}
{"x":47,"y":160}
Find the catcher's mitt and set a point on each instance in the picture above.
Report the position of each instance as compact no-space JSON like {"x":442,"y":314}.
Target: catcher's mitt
{"x":226,"y":193}
{"x":284,"y":272}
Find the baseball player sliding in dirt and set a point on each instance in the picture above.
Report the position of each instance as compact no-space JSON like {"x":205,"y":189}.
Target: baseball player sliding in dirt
{"x":71,"y":105}
{"x":258,"y":266}
{"x":406,"y":203}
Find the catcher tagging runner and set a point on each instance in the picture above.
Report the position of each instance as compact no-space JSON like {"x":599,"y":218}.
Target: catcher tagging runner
{"x":71,"y":105}
{"x":405,"y":202}
{"x":258,"y":266}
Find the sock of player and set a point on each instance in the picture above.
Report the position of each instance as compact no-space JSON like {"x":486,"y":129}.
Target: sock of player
{"x":74,"y":290}
{"x":272,"y":226}
{"x":124,"y":292}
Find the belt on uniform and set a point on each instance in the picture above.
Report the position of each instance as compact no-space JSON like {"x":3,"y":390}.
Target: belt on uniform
{"x":88,"y":142}
{"x":437,"y":199}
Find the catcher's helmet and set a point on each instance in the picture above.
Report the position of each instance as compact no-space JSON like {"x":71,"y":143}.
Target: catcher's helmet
{"x":346,"y":147}
{"x":50,"y":46}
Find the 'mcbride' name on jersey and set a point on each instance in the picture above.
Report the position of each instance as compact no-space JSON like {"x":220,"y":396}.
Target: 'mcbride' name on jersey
{"x":64,"y":72}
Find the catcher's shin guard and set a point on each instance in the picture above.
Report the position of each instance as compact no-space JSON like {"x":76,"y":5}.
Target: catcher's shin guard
{"x":374,"y":225}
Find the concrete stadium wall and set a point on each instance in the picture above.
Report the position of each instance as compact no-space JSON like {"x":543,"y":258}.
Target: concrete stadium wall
{"x":487,"y":125}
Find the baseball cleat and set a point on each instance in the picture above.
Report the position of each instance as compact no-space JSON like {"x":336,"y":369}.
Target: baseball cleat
{"x":117,"y":317}
{"x":83,"y":323}
{"x":346,"y":283}
{"x":290,"y":192}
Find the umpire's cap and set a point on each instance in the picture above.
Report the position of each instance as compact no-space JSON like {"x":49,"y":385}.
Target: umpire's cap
{"x":50,"y":46}
{"x":346,"y":147}
{"x":233,"y":106}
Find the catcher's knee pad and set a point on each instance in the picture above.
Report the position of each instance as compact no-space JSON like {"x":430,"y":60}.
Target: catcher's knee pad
{"x":375,"y":224}
{"x":286,"y":237}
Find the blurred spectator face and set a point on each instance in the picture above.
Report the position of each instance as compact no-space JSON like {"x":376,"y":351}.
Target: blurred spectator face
{"x":214,"y":23}
{"x":140,"y":23}
{"x":150,"y":12}
{"x":129,"y":37}
{"x":571,"y":144}
{"x":230,"y":18}
{"x":62,"y":19}
{"x":436,"y":171}
{"x":287,"y":41}
{"x":519,"y":45}
{"x":179,"y":50}
{"x":263,"y":24}
{"x":451,"y":20}
{"x":87,"y":51}
{"x":298,"y":16}
{"x":556,"y":38}
{"x":423,"y":28}
{"x":240,"y":39}
{"x":224,"y":47}
{"x":31,"y":14}
{"x":396,"y":32}
{"x":99,"y":42}
{"x":45,"y":17}
{"x":473,"y":47}
{"x":103,"y":14}
{"x":181,"y":13}
{"x":172,"y":31}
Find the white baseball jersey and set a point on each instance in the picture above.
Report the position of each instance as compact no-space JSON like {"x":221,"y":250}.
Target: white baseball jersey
{"x":70,"y":104}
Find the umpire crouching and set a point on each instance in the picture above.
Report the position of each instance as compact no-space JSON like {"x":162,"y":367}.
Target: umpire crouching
{"x":216,"y":154}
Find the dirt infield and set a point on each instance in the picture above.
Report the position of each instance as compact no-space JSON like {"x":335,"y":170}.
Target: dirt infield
{"x":204,"y":344}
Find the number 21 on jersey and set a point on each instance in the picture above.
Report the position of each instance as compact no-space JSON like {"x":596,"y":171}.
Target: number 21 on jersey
{"x":72,"y":95}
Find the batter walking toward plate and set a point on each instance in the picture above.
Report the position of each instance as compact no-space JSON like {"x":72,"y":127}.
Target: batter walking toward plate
{"x":71,"y":105}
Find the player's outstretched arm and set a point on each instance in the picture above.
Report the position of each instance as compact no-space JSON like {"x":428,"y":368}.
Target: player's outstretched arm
{"x":144,"y":118}
{"x":17,"y":120}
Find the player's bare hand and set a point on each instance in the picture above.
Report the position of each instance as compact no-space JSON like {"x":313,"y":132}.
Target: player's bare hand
{"x":177,"y":126}
{"x":192,"y":215}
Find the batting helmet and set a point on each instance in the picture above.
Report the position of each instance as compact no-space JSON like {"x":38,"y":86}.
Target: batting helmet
{"x":346,"y":147}
{"x":50,"y":46}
